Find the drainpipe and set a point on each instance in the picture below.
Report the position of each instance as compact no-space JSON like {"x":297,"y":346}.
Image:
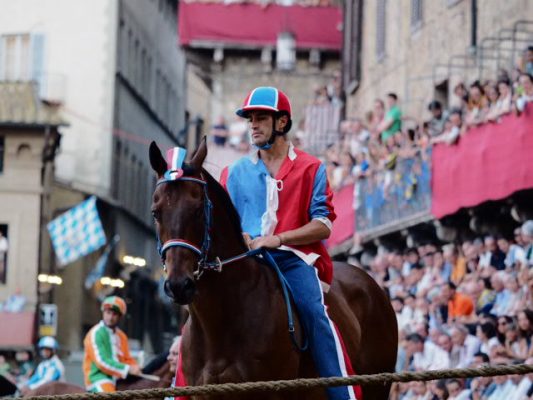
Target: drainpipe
{"x":473,"y":28}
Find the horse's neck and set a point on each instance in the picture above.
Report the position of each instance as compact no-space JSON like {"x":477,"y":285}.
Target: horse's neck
{"x":231,"y":292}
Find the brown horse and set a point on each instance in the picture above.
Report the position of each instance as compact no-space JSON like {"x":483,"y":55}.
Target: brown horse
{"x":237,"y":330}
{"x":53,"y":388}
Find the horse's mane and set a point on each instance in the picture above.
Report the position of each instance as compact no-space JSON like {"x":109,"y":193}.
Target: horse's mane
{"x":224,"y":198}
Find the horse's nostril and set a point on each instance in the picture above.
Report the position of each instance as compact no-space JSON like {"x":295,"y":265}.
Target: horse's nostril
{"x":168,"y":289}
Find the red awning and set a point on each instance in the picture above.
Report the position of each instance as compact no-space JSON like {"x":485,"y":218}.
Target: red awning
{"x":16,"y":330}
{"x":344,"y":225}
{"x":490,"y":163}
{"x":203,"y":24}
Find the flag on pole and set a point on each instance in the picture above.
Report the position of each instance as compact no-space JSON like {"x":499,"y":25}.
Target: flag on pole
{"x":77,"y":232}
{"x":99,"y":269}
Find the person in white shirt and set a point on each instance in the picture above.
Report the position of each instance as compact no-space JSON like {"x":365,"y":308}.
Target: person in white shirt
{"x":466,"y":344}
{"x":425,"y":355}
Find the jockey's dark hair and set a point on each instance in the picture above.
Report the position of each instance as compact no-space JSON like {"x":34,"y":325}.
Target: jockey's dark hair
{"x":393,"y":96}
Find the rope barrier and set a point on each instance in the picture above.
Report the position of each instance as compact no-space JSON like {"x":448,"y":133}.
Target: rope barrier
{"x":276,"y":386}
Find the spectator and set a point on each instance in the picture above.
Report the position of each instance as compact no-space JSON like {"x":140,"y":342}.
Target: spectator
{"x":492,"y":111}
{"x":378,"y":114}
{"x":504,"y":104}
{"x":392,"y":123}
{"x":524,"y":385}
{"x":527,"y":64}
{"x":493,"y":256}
{"x":525,"y":327}
{"x":501,"y":300}
{"x":462,"y":95}
{"x":527,"y":238}
{"x":438,"y":118}
{"x":460,"y":307}
{"x":458,"y":263}
{"x":476,"y":106}
{"x":514,"y":254}
{"x":456,"y":390}
{"x":524,"y":92}
{"x":219,"y":132}
{"x":452,"y":129}
{"x":343,"y":173}
{"x":501,"y":388}
{"x":486,"y":333}
{"x":465,"y":344}
{"x":425,"y":355}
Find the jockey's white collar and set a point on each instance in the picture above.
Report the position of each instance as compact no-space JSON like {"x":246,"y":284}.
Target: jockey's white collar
{"x":254,"y":157}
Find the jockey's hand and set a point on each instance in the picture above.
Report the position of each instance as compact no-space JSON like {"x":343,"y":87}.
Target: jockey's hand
{"x":135,"y":370}
{"x":268,"y":242}
{"x":247,"y":239}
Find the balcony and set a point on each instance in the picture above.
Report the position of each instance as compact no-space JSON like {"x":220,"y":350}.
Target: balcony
{"x":211,"y":25}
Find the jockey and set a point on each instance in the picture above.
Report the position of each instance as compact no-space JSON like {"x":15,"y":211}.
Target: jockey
{"x":283,"y":198}
{"x":107,"y":354}
{"x":50,"y":369}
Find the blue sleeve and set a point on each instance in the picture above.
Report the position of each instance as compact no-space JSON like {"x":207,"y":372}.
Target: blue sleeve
{"x":321,"y":203}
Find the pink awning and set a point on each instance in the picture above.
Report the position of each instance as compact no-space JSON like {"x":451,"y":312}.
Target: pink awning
{"x":490,"y":163}
{"x":17,"y":330}
{"x":344,"y":225}
{"x":203,"y":24}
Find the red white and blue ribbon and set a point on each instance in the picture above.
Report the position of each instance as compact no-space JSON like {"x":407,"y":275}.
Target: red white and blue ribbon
{"x":175,"y":158}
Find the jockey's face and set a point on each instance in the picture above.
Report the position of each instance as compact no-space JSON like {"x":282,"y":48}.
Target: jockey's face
{"x":260,"y":123}
{"x":46,"y":353}
{"x":111,"y":318}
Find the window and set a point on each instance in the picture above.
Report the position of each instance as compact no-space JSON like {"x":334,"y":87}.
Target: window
{"x":381,"y":19}
{"x":2,"y":146}
{"x":22,"y":57}
{"x":4,"y":246}
{"x":416,"y":13}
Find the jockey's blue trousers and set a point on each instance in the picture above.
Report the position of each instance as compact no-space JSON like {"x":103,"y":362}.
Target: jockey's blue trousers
{"x":324,"y":342}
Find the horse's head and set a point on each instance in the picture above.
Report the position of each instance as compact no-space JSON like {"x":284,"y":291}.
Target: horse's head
{"x":180,"y":212}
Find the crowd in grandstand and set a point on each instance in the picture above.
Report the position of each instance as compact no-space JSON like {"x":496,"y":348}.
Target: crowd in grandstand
{"x":373,"y":144}
{"x":462,"y":306}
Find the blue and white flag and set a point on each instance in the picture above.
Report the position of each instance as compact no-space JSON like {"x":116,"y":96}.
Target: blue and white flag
{"x":99,"y":269}
{"x":77,"y":232}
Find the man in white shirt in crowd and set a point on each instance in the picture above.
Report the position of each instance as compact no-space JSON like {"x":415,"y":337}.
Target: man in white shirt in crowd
{"x":425,"y":355}
{"x":466,"y":344}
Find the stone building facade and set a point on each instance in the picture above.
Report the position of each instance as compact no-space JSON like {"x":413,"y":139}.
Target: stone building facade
{"x":29,"y":139}
{"x":421,"y":49}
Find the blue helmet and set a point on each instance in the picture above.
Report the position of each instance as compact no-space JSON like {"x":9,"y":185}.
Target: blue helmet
{"x":48,"y":342}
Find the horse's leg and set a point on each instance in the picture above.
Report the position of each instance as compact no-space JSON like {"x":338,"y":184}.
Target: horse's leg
{"x":367,"y":322}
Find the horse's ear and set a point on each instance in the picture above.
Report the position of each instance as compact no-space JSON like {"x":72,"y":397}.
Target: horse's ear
{"x":199,"y":155}
{"x":159,"y":165}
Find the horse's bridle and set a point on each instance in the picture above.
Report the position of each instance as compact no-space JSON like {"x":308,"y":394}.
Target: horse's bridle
{"x":202,"y":251}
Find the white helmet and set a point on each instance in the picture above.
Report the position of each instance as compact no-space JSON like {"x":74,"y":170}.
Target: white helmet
{"x":49,"y":342}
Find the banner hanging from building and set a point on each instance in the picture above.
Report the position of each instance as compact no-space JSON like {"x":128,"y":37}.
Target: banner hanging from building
{"x":77,"y":232}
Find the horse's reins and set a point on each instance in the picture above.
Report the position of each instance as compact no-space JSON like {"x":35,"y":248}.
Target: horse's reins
{"x":216,"y":265}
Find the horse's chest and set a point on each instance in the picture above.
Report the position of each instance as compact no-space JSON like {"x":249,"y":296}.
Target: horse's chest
{"x":220,"y":371}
